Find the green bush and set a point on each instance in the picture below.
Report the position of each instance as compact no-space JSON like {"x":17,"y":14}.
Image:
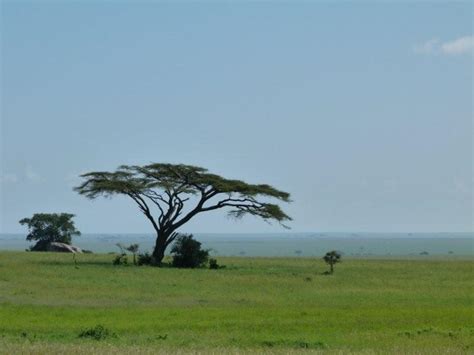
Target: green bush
{"x":213,"y":264}
{"x":187,"y":252}
{"x":144,"y":259}
{"x":120,"y":260}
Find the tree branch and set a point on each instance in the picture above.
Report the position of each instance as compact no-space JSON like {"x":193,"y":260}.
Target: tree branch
{"x":144,"y":207}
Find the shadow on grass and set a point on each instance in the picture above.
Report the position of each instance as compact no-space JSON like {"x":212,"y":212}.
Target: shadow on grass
{"x":297,"y":344}
{"x":100,"y":263}
{"x":71,"y":262}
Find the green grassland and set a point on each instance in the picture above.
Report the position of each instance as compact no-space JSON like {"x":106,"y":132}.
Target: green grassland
{"x":263,"y":305}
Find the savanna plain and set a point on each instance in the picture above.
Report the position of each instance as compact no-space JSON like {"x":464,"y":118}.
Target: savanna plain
{"x":51,"y":304}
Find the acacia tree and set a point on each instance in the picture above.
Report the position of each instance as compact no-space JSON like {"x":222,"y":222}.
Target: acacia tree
{"x":170,"y":195}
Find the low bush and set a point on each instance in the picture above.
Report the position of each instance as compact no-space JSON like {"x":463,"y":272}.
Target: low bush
{"x":144,"y":259}
{"x":187,"y":252}
{"x":120,"y":260}
{"x":213,"y":265}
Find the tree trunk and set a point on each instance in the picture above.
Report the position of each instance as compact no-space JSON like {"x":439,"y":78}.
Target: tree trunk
{"x":332,"y":267}
{"x":160,"y":247}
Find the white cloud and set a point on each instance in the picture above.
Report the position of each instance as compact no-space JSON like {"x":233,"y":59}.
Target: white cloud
{"x":458,"y":46}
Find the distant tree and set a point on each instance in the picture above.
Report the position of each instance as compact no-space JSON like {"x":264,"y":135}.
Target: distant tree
{"x":187,"y":252}
{"x":46,"y":228}
{"x":177,"y":193}
{"x":331,"y":258}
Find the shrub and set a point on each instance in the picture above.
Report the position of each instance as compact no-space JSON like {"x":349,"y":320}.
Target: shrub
{"x":213,"y":264}
{"x":187,"y":252}
{"x":144,"y":259}
{"x":120,"y":260}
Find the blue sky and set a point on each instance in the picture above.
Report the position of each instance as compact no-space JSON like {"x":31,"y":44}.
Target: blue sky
{"x":363,"y":112}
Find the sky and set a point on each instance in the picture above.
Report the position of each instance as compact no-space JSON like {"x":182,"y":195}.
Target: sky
{"x":362,"y":111}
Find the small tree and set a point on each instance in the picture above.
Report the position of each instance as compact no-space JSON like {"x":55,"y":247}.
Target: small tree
{"x":47,"y":228}
{"x":331,"y":258}
{"x":187,"y":252}
{"x":133,"y":248}
{"x":122,"y":258}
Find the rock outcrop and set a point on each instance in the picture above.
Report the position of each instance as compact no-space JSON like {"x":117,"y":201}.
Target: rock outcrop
{"x":63,"y":248}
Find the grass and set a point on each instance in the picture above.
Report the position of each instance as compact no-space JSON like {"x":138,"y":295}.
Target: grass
{"x":265,"y":305}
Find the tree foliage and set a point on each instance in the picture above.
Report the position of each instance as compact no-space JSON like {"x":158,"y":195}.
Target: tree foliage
{"x":46,"y":228}
{"x":170,"y":195}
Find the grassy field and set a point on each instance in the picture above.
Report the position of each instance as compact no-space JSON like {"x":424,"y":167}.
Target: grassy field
{"x":264,"y":305}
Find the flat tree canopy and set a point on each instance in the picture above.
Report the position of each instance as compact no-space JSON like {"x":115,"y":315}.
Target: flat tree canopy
{"x":170,"y":195}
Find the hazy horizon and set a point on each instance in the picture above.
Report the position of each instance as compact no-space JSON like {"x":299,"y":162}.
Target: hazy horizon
{"x":283,"y":244}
